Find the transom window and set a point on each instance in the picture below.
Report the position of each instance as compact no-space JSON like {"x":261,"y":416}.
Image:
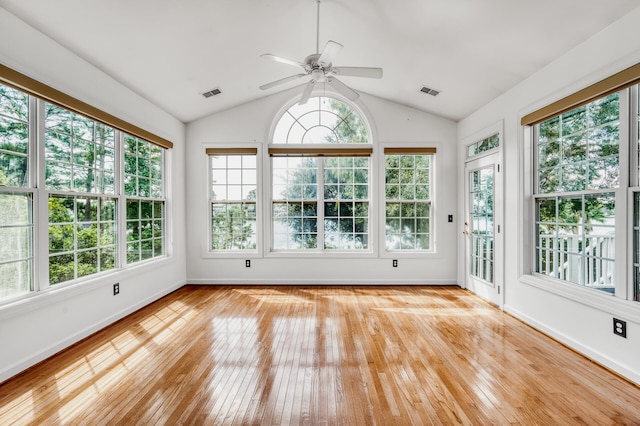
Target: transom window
{"x":320,"y":168}
{"x":320,"y":120}
{"x":486,"y":144}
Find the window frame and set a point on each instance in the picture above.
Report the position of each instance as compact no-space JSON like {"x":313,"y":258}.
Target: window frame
{"x":206,"y":242}
{"x":434,"y":171}
{"x":624,"y":291}
{"x":38,"y":95}
{"x":316,"y":151}
{"x":408,"y":150}
{"x":124,"y":199}
{"x":310,"y":148}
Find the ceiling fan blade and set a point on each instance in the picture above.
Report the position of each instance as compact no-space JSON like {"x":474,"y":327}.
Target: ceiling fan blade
{"x":307,"y":92}
{"x":281,"y":81}
{"x":343,"y":89}
{"x":358,"y":71}
{"x":331,"y":49}
{"x":284,"y":60}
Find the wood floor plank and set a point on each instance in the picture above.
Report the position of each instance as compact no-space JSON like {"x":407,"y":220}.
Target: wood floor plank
{"x":318,"y":355}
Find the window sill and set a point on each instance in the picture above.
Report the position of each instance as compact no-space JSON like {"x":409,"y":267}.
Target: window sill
{"x":605,"y":302}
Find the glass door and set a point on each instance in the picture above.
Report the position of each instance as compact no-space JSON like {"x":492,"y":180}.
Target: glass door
{"x":482,"y":228}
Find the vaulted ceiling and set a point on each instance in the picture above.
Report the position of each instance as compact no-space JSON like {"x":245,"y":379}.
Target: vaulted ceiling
{"x":171,"y":51}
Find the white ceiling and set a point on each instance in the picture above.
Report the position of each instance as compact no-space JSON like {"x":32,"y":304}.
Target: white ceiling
{"x":171,"y":51}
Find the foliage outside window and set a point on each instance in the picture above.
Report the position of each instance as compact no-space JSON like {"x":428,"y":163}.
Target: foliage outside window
{"x":577,"y":176}
{"x":81,"y":236}
{"x":320,"y":201}
{"x":484,"y":145}
{"x":144,"y":189}
{"x":79,"y":190}
{"x":408,"y":202}
{"x":79,"y":153}
{"x":79,"y":160}
{"x":233,"y":201}
{"x":320,"y":120}
{"x":14,"y":137}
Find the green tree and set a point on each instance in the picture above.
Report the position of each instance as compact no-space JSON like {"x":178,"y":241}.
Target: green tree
{"x":14,"y":135}
{"x":346,"y":190}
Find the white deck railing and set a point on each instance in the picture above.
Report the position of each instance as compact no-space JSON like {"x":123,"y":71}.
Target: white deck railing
{"x":563,"y":257}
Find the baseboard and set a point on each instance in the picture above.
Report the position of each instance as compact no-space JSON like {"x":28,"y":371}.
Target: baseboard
{"x":307,"y":281}
{"x":17,"y":368}
{"x":573,"y":344}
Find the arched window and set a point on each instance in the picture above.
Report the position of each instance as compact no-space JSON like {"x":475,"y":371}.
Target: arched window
{"x":320,"y":120}
{"x":320,"y":165}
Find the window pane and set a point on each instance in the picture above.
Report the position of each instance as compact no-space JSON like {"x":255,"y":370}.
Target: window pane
{"x":575,"y":239}
{"x":233,"y":209}
{"x":407,"y":203}
{"x":145,"y":229}
{"x":16,"y":250}
{"x":14,"y":137}
{"x":579,"y":150}
{"x":143,"y":168}
{"x":81,"y":229}
{"x":320,"y":120}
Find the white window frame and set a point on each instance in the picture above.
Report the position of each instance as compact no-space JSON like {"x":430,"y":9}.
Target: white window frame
{"x":373,"y":178}
{"x":622,"y":300}
{"x":432,"y":253}
{"x":205,"y":250}
{"x":40,"y":216}
{"x":320,"y":251}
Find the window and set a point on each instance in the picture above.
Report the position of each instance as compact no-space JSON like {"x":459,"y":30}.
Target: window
{"x":81,"y":236}
{"x":585,"y":197}
{"x":144,"y":189}
{"x":578,"y":174}
{"x":484,"y":145}
{"x":79,"y":196}
{"x":408,"y":198}
{"x":16,"y":196}
{"x":233,"y":197}
{"x":79,"y":160}
{"x":320,"y":180}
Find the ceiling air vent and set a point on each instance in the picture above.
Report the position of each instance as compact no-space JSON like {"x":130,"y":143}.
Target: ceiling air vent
{"x":429,"y":91}
{"x":212,"y":92}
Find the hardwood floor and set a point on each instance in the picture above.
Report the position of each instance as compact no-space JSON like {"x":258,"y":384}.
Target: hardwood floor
{"x":319,"y":355}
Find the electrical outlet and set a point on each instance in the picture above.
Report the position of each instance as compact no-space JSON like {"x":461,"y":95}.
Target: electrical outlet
{"x":620,"y":327}
{"x":247,"y":263}
{"x":116,"y":289}
{"x":450,"y":218}
{"x":395,"y":263}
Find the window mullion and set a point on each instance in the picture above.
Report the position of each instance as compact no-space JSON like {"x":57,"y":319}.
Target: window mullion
{"x":121,"y":206}
{"x":320,"y":204}
{"x":623,"y":286}
{"x":41,"y":199}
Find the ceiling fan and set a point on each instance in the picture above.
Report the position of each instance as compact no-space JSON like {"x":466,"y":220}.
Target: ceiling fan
{"x":321,"y":69}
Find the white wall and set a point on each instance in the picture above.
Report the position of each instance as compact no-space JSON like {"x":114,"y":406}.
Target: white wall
{"x":585,"y":325}
{"x":35,"y":328}
{"x":392,"y":124}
